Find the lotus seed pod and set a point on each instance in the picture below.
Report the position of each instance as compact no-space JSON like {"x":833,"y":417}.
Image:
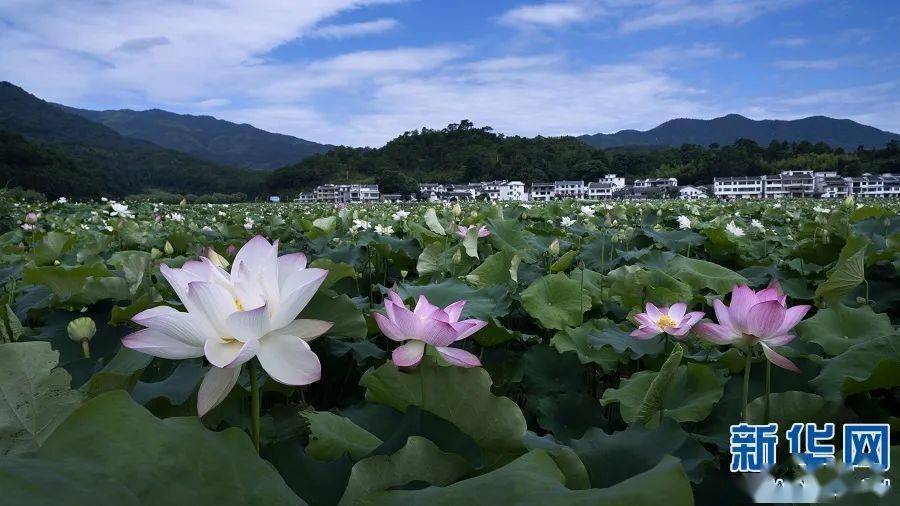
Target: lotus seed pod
{"x":81,"y":330}
{"x":168,"y":249}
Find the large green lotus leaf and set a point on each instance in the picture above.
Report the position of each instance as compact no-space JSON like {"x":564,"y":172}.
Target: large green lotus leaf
{"x":566,"y":460}
{"x":434,"y":259}
{"x":336,"y":271}
{"x":50,"y":247}
{"x":495,"y":334}
{"x":700,"y":274}
{"x":534,"y":478}
{"x":512,"y":237}
{"x":37,"y":482}
{"x":34,"y":396}
{"x":866,"y":366}
{"x":847,"y":273}
{"x":567,"y":415}
{"x":496,"y":269}
{"x":604,"y":343}
{"x":431,"y":220}
{"x":121,"y":373}
{"x":65,"y":281}
{"x":563,"y":263}
{"x":675,"y":240}
{"x":315,"y":481}
{"x":349,"y":322}
{"x":661,"y":288}
{"x":331,"y":436}
{"x":694,"y":389}
{"x":600,"y":253}
{"x":459,"y":395}
{"x":556,"y":301}
{"x":547,"y":372}
{"x":786,"y":408}
{"x":611,"y":458}
{"x":134,"y":265}
{"x":481,"y":303}
{"x":839,"y":327}
{"x":591,"y":282}
{"x":176,"y":388}
{"x":172,"y":461}
{"x":419,"y":460}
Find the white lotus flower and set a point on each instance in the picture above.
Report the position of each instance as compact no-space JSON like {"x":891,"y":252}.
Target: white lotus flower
{"x":401,"y":215}
{"x":176,"y":217}
{"x":587,"y":211}
{"x":233,"y":317}
{"x":684,"y":222}
{"x":567,"y":221}
{"x":120,"y":210}
{"x":757,"y":224}
{"x":384,"y":229}
{"x":249,"y":223}
{"x":734,"y":230}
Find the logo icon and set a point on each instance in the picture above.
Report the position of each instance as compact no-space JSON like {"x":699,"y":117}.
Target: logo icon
{"x":867,"y":445}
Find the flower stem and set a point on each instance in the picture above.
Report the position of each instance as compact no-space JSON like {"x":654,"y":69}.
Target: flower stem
{"x":422,"y":373}
{"x":746,"y":395}
{"x":86,"y":348}
{"x":254,"y":401}
{"x":768,"y":391}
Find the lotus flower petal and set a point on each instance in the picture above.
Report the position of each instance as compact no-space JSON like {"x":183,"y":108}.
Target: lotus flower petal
{"x":778,"y":359}
{"x":160,"y":344}
{"x":792,"y":317}
{"x":716,"y":334}
{"x":458,"y":357}
{"x":742,"y":299}
{"x":676,"y":312}
{"x":289,"y":360}
{"x":409,"y":355}
{"x":216,"y":385}
{"x":229,"y":353}
{"x":765,"y":318}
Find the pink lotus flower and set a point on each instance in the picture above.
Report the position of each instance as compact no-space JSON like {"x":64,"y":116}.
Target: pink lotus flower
{"x":31,"y":218}
{"x":233,"y":317}
{"x":427,"y":324}
{"x":755,"y":317}
{"x":463,"y":231}
{"x":671,"y":320}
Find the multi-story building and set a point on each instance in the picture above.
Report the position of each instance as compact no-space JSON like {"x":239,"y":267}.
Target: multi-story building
{"x":542,"y":192}
{"x":738,"y":187}
{"x":891,"y":183}
{"x":657,"y":182}
{"x":343,"y":193}
{"x":328,"y":193}
{"x":306,"y":197}
{"x":513,"y":190}
{"x":617,"y":182}
{"x":432,"y":191}
{"x":463,"y":191}
{"x":492,"y":189}
{"x":691,"y":193}
{"x":600,"y":190}
{"x":568,"y":189}
{"x":792,"y":183}
{"x":832,"y":186}
{"x":867,"y":185}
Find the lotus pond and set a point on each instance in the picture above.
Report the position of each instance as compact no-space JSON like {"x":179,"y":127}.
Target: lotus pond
{"x":559,"y":353}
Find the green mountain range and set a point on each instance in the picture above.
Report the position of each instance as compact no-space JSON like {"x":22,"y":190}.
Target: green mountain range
{"x":726,"y":130}
{"x":214,"y":140}
{"x":41,"y":136}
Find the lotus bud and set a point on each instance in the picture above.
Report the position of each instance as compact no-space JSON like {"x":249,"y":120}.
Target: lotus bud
{"x":457,"y":257}
{"x":456,"y":209}
{"x":473,"y":278}
{"x":31,"y":218}
{"x":403,"y":274}
{"x":81,"y":330}
{"x":554,"y":247}
{"x":168,"y":249}
{"x":231,"y":250}
{"x":155,"y":253}
{"x":183,"y":202}
{"x":216,"y":258}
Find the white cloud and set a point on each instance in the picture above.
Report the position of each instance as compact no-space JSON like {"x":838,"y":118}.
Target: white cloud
{"x":675,"y":55}
{"x":811,"y":64}
{"x":666,"y":13}
{"x":548,"y":14}
{"x":356,"y":29}
{"x":789,"y":42}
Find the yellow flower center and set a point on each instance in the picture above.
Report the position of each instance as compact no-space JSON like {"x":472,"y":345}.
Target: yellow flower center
{"x":238,"y":304}
{"x":666,"y":322}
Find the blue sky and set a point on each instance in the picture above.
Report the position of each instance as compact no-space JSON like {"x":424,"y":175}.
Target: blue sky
{"x":361,"y":72}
